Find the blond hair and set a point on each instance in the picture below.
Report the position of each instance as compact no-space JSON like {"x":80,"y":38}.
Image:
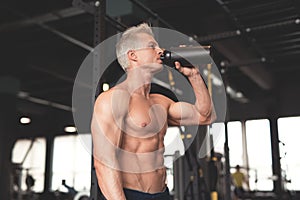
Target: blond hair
{"x":130,"y":40}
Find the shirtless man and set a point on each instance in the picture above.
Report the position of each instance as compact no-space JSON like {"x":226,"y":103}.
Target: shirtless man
{"x":129,"y":123}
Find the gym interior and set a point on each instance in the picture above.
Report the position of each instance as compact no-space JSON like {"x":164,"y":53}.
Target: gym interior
{"x":254,"y":45}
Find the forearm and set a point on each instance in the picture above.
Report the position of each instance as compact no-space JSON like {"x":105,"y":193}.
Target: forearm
{"x":203,"y":101}
{"x":110,"y":181}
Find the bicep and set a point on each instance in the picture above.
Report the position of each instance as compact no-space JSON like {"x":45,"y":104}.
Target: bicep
{"x":107,"y":140}
{"x":106,"y":135}
{"x":106,"y":128}
{"x":108,"y":115}
{"x":182,"y":113}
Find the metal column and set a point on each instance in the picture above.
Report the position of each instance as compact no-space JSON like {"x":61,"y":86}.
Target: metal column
{"x":245,"y":149}
{"x":276,"y":157}
{"x":179,"y":177}
{"x":49,"y":163}
{"x":99,"y":36}
{"x":227,"y":166}
{"x":8,"y":94}
{"x":98,"y":9}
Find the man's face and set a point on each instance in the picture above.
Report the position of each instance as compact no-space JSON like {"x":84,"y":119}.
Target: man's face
{"x":149,"y":53}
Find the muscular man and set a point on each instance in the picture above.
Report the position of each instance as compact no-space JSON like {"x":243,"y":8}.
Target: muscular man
{"x":129,"y":123}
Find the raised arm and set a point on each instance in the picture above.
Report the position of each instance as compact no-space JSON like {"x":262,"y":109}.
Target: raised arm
{"x":107,"y":138}
{"x":200,"y":113}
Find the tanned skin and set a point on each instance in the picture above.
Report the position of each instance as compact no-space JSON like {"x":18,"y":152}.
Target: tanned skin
{"x":130,"y":119}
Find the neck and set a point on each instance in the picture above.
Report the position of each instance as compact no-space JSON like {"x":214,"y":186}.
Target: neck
{"x":139,"y":81}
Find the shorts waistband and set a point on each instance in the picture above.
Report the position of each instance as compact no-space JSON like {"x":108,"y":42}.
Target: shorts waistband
{"x":135,"y":194}
{"x":132,"y":190}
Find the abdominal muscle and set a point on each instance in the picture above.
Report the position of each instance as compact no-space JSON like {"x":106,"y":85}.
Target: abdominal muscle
{"x":144,"y":163}
{"x":142,"y":145}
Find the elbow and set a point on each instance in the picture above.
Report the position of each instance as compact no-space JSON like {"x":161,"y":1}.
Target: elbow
{"x":213,"y":116}
{"x":208,"y":118}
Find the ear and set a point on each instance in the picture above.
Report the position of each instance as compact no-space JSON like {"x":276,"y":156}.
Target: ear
{"x":132,"y":55}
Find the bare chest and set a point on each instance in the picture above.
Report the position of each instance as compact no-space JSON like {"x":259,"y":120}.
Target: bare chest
{"x":145,"y":117}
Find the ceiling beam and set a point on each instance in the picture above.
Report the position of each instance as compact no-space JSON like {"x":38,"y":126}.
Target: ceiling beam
{"x":256,"y":72}
{"x":48,"y":17}
{"x":152,"y":13}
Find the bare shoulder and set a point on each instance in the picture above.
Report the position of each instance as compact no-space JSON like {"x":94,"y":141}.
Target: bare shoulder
{"x":103,"y":101}
{"x":115,"y":100}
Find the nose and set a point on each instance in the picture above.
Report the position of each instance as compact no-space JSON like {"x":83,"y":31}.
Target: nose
{"x":160,"y":51}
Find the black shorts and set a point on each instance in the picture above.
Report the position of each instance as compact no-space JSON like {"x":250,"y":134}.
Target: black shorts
{"x":239,"y":191}
{"x":138,"y":195}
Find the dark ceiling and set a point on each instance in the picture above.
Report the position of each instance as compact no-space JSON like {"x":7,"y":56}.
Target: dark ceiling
{"x":255,"y":43}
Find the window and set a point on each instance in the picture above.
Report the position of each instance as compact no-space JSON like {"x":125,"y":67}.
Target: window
{"x":173,"y":143}
{"x":235,"y":143}
{"x":29,"y":156}
{"x":71,"y":162}
{"x":218,"y":131}
{"x":288,"y":131}
{"x":259,"y":153}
